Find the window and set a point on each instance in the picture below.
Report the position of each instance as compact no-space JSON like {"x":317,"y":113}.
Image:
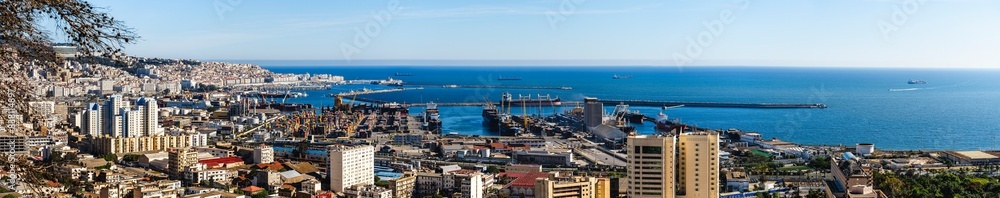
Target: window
{"x":652,"y":150}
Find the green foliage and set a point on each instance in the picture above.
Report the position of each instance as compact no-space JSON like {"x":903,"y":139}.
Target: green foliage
{"x":936,"y":184}
{"x":110,"y":157}
{"x":493,"y":169}
{"x":820,"y":163}
{"x":131,"y":158}
{"x":382,"y":183}
{"x":9,"y":196}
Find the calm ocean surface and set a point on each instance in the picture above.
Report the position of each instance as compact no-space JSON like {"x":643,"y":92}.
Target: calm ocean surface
{"x":956,"y":109}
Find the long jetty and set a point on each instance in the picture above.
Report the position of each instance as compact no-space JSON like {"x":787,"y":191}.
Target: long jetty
{"x":353,"y":93}
{"x":493,"y":87}
{"x":646,"y":103}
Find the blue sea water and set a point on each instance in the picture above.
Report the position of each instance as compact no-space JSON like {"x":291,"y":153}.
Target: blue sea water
{"x":956,"y":109}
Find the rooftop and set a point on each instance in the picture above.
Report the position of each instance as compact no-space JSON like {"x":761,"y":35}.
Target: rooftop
{"x":974,"y":154}
{"x":526,"y":179}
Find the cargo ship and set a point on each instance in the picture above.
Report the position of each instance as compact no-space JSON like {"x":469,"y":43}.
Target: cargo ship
{"x":491,"y":116}
{"x":276,"y":94}
{"x":526,"y":100}
{"x":508,"y":78}
{"x":432,"y":118}
{"x":622,"y":111}
{"x":912,"y":81}
{"x":664,"y":124}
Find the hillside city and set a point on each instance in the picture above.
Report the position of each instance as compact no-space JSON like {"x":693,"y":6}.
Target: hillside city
{"x":185,"y":128}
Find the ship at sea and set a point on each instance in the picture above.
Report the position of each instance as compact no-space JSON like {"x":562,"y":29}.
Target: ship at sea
{"x":403,"y":74}
{"x":913,"y":81}
{"x":508,"y":78}
{"x":616,"y":76}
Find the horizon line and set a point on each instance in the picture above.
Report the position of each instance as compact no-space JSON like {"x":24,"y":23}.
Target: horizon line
{"x":526,"y":63}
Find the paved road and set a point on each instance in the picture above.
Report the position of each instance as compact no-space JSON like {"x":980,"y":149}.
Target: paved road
{"x":603,"y":158}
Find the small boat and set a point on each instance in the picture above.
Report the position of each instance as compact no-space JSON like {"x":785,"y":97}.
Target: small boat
{"x":566,"y":88}
{"x":912,"y":81}
{"x":508,"y":78}
{"x":450,"y":86}
{"x":616,"y":76}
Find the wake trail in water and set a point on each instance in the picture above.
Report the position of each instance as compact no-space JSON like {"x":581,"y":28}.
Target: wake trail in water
{"x":963,"y":84}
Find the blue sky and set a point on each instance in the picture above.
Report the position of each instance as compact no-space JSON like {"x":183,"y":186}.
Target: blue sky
{"x":889,"y":33}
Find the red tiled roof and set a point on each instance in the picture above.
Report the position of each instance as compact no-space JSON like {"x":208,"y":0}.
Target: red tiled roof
{"x":271,"y":166}
{"x":528,"y":179}
{"x":221,"y":160}
{"x":251,"y":189}
{"x":496,"y":145}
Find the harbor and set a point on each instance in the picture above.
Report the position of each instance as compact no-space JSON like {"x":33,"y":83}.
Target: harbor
{"x":640,"y":103}
{"x":496,"y":87}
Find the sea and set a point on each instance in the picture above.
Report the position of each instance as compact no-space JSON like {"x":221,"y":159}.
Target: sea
{"x":957,"y":109}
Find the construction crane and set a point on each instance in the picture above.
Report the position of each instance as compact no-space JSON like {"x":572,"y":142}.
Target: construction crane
{"x":288,"y":92}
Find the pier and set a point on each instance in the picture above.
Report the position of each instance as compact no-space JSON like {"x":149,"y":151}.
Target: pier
{"x":366,"y":91}
{"x":495,"y":87}
{"x":646,"y":103}
{"x":652,"y":103}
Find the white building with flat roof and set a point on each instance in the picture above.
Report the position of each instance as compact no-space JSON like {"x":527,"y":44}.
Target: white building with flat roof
{"x":263,"y":154}
{"x":351,"y":165}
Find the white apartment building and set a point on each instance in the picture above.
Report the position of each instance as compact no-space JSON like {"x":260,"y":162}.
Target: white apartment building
{"x":351,"y":165}
{"x":263,"y":154}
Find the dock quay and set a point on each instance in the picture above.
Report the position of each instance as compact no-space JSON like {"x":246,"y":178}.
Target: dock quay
{"x":652,"y":103}
{"x":645,"y":103}
{"x":494,"y":87}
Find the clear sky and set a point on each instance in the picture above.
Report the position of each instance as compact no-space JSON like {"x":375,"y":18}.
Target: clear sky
{"x":893,"y":33}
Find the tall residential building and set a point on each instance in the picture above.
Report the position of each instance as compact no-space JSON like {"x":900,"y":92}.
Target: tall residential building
{"x":117,"y":119}
{"x":132,"y":123}
{"x":593,"y":112}
{"x":668,"y":166}
{"x":556,"y":185}
{"x":263,"y":154}
{"x":92,"y":122}
{"x":179,"y":159}
{"x":111,"y":116}
{"x":698,"y":168}
{"x":150,"y":114}
{"x":351,"y":165}
{"x":650,"y":166}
